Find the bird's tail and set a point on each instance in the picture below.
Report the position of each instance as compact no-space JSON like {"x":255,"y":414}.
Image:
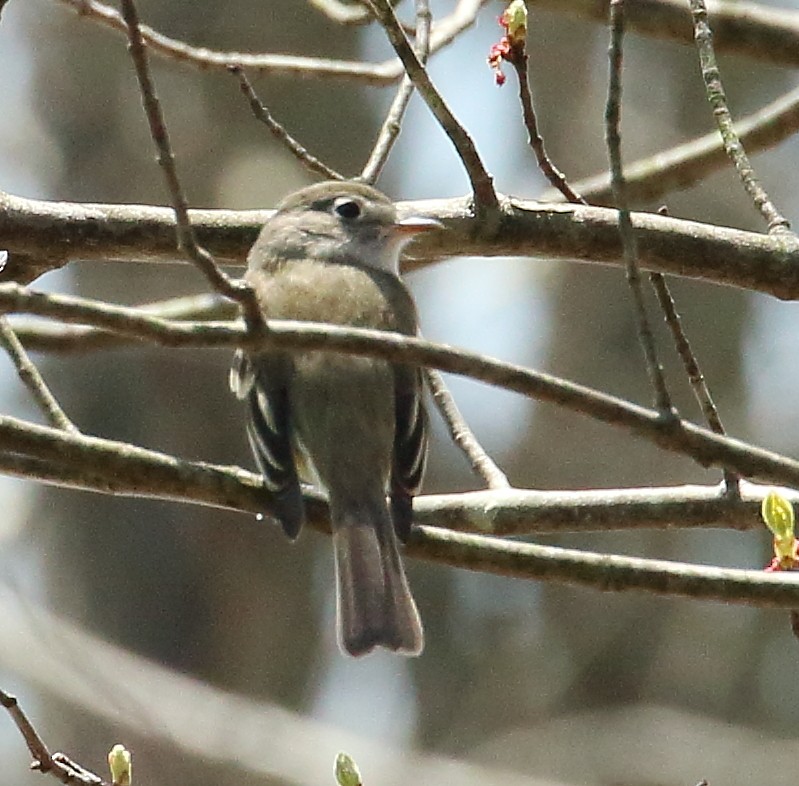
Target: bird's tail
{"x":375,"y":605}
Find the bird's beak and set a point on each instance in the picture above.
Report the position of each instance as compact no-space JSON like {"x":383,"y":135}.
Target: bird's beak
{"x":415,"y":225}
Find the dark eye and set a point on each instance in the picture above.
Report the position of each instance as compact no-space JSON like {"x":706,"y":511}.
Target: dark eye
{"x":347,"y":208}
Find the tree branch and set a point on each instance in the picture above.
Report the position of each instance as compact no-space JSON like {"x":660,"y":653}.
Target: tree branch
{"x":50,"y":233}
{"x":485,"y":197}
{"x":120,"y":468}
{"x":673,"y":434}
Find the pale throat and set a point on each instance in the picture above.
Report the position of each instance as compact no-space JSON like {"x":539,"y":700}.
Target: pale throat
{"x":381,"y":252}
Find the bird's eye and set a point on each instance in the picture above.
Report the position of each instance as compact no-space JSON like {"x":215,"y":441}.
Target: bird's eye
{"x":347,"y":208}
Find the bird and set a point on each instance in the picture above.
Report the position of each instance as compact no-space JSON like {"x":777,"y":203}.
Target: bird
{"x":356,"y":426}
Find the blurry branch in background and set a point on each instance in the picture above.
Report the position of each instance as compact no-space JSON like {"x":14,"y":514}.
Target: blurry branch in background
{"x":61,"y":338}
{"x":767,"y":34}
{"x":47,"y":234}
{"x":777,"y":223}
{"x":688,"y":163}
{"x":345,"y":13}
{"x":256,"y":738}
{"x":260,"y":111}
{"x":762,"y":32}
{"x":224,"y":724}
{"x":56,"y":764}
{"x":444,"y":33}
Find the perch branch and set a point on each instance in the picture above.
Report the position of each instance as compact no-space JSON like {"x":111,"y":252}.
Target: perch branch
{"x":707,"y":448}
{"x":42,"y":235}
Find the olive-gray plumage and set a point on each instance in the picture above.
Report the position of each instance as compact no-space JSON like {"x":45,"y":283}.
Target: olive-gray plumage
{"x":330,"y":253}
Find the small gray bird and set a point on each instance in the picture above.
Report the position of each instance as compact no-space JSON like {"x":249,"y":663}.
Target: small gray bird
{"x":330,"y":253}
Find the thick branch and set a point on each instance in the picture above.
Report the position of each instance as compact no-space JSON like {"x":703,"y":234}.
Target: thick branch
{"x":61,"y":231}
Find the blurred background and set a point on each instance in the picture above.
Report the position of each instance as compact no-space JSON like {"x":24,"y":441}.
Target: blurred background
{"x":519,"y":682}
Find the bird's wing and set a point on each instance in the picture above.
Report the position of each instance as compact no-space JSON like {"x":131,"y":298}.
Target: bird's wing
{"x":410,"y":447}
{"x":263,"y":384}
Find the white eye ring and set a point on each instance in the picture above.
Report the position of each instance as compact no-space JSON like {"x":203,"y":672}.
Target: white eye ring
{"x":347,"y":208}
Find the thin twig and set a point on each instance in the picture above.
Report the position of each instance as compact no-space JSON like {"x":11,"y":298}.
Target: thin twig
{"x":393,"y":123}
{"x":556,"y":178}
{"x":292,"y":145}
{"x":35,"y":743}
{"x":56,"y":764}
{"x":32,"y":379}
{"x":222,"y":283}
{"x":695,"y":376}
{"x":385,"y":73}
{"x":482,"y":464}
{"x":485,"y":198}
{"x":629,"y":243}
{"x":717,"y":98}
{"x":674,"y":434}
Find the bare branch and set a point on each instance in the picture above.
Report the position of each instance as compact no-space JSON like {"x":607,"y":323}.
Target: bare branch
{"x":695,"y":377}
{"x":732,"y":144}
{"x":483,"y":465}
{"x":677,"y":435}
{"x":32,"y":379}
{"x":260,"y":111}
{"x":107,"y":467}
{"x":485,"y":197}
{"x":49,"y":337}
{"x":57,"y":764}
{"x":48,"y":233}
{"x":628,"y":239}
{"x":187,"y":242}
{"x":390,"y":129}
{"x":606,"y":572}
